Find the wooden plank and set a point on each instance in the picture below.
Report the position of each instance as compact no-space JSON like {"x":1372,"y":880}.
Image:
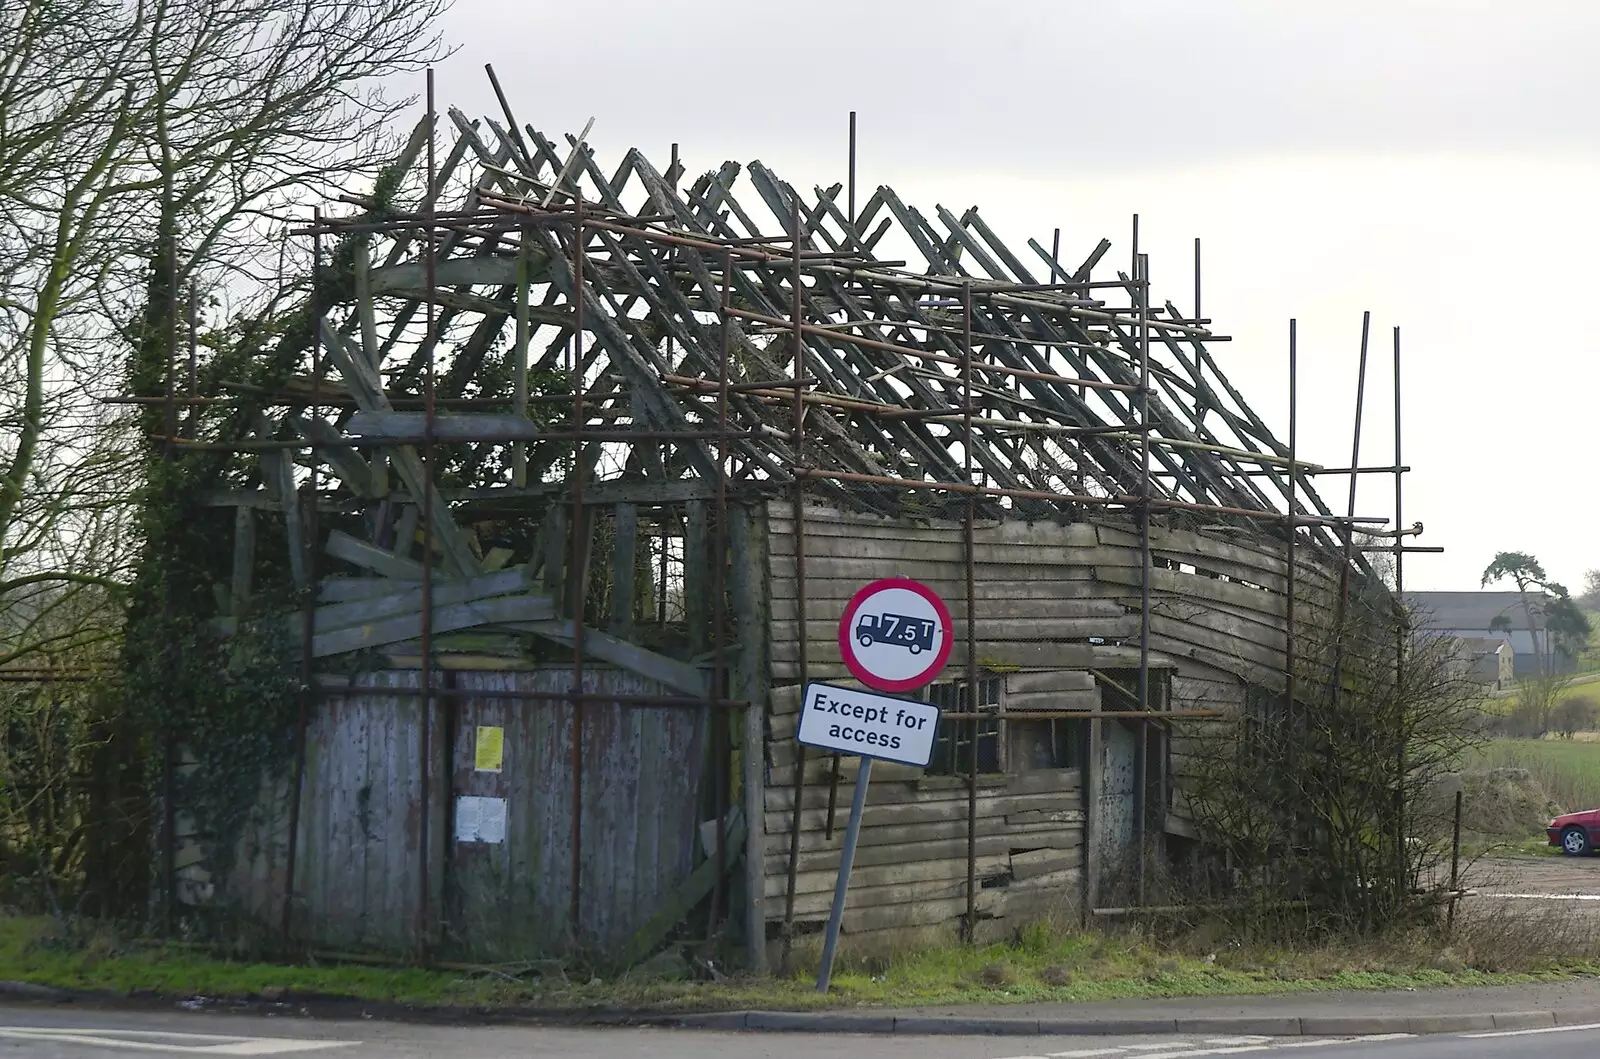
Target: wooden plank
{"x":953,"y":552}
{"x":450,"y":618}
{"x":1066,"y":701}
{"x":244,"y":558}
{"x":478,"y":426}
{"x":697,"y":577}
{"x":1009,"y":531}
{"x":409,"y":599}
{"x":928,"y":791}
{"x":990,"y":609}
{"x":1010,"y":630}
{"x":367,"y":389}
{"x":866,"y":898}
{"x":1067,"y":815}
{"x":343,"y":589}
{"x":405,"y":530}
{"x":369,"y":322}
{"x":556,"y":553}
{"x":347,"y":463}
{"x":1022,"y":836}
{"x":624,"y":569}
{"x":343,"y":546}
{"x":823,"y":856}
{"x":1035,"y":863}
{"x":677,"y":906}
{"x":679,"y":676}
{"x":1198,"y":587}
{"x":1094,"y":787}
{"x":820,"y":769}
{"x":899,"y":873}
{"x":495,"y":271}
{"x":747,"y":558}
{"x":999,"y":582}
{"x":992,"y":654}
{"x":1051,"y":680}
{"x":1063,"y":879}
{"x":279,"y":479}
{"x":879,"y":816}
{"x":519,"y":365}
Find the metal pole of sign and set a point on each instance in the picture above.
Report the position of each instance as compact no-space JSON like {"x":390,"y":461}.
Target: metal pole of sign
{"x":847,"y":858}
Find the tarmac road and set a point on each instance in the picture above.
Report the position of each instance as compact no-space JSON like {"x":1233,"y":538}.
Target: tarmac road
{"x":54,"y":1033}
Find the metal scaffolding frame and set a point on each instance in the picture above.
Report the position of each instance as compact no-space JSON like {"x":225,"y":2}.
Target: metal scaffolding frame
{"x":710,"y":359}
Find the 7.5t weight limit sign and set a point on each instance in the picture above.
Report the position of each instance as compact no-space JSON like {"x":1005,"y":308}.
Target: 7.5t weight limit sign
{"x":895,"y":635}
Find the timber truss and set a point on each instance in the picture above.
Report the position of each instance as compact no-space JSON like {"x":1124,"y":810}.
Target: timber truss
{"x":540,"y":326}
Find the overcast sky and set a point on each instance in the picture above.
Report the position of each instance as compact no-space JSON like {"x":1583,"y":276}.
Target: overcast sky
{"x":1434,"y":161}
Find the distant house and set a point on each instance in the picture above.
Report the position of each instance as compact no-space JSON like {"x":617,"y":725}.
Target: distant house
{"x":1492,"y":615}
{"x":1486,"y":660}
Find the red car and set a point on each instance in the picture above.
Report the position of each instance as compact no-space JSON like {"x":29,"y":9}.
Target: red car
{"x":1576,"y":833}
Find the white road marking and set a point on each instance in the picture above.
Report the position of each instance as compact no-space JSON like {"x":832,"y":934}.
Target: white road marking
{"x":1190,"y":1052}
{"x":1227,"y":1046}
{"x":1542,"y":1029}
{"x":1372,"y":1038}
{"x":170,"y":1043}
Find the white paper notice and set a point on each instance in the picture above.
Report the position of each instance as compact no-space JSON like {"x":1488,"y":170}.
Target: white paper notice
{"x":480,"y":819}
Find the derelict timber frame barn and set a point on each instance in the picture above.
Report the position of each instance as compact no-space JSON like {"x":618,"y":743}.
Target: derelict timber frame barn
{"x":632,"y":573}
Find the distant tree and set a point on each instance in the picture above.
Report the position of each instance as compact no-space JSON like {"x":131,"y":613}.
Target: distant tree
{"x":1565,"y":624}
{"x":1500,"y":623}
{"x":1525,"y":572}
{"x":1589,"y":599}
{"x":1574,"y":714}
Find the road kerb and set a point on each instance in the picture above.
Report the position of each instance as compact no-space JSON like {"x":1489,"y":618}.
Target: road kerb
{"x":818,"y":1022}
{"x":1427,"y":1024}
{"x":1524,"y":1020}
{"x":1242,"y":1025}
{"x":1353,"y":1025}
{"x":1250,"y":1025}
{"x":956,"y":1026}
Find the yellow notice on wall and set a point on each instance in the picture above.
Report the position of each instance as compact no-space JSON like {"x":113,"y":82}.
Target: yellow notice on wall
{"x":491,"y":745}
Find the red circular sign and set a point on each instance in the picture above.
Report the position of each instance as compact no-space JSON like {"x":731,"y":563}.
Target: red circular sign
{"x":896,"y":634}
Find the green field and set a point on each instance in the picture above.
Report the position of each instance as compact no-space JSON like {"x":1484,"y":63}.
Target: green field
{"x":1567,"y":769}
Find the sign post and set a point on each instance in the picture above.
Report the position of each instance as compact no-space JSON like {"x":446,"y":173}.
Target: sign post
{"x":894,"y":635}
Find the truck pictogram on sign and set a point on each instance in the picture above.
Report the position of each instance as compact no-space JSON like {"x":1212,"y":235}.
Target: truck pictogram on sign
{"x":899,"y":630}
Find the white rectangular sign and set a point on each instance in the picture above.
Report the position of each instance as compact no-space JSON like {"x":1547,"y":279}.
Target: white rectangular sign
{"x":480,"y":819}
{"x":868,"y":724}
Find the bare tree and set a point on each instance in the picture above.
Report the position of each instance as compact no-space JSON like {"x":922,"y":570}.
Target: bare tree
{"x":182,"y":134}
{"x":1322,"y":805}
{"x":153,"y":154}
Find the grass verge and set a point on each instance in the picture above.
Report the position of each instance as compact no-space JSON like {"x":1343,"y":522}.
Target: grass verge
{"x":1039,"y":965}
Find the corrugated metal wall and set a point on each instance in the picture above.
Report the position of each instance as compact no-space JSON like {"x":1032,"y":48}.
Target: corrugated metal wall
{"x":358,"y":863}
{"x":358,"y":868}
{"x":640,"y":786}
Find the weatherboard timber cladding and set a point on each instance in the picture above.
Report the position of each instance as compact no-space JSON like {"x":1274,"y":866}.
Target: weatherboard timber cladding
{"x":1216,"y":621}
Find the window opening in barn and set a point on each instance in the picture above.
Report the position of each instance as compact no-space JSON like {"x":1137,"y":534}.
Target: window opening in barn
{"x":1004,"y":745}
{"x":1267,"y":728}
{"x":952,"y":747}
{"x":1036,"y":743}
